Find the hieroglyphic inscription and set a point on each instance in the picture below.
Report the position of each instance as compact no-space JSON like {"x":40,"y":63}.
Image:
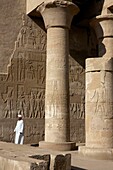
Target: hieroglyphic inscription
{"x":77,"y":91}
{"x":26,"y":70}
{"x":56,"y":99}
{"x":34,"y":131}
{"x":31,"y":37}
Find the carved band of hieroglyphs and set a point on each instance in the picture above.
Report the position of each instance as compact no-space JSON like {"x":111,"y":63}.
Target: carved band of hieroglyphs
{"x":58,"y":111}
{"x":57,"y":63}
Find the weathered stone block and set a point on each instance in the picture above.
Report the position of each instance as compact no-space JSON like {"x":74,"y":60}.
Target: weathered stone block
{"x":46,"y":158}
{"x":60,"y":162}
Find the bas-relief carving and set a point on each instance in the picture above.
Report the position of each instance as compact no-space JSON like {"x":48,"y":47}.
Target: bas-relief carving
{"x":8,"y":102}
{"x":26,"y":71}
{"x":21,"y":67}
{"x":77,"y":90}
{"x":32,"y":131}
{"x":98,"y":98}
{"x":31,"y":37}
{"x":77,"y":110}
{"x":11,"y":73}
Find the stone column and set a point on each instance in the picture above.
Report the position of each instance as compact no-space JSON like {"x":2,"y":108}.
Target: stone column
{"x":99,"y":93}
{"x":57,"y":16}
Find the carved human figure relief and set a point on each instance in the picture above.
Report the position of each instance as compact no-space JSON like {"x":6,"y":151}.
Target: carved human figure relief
{"x":21,"y":39}
{"x":26,"y":106}
{"x":21,"y":69}
{"x":32,"y":105}
{"x":21,"y":103}
{"x":41,"y":73}
{"x":100,"y":103}
{"x":82,"y":108}
{"x":43,"y":42}
{"x":10,"y":74}
{"x":9,"y":104}
{"x":31,"y":39}
{"x":38,"y":106}
{"x":42,"y":104}
{"x":30,"y":70}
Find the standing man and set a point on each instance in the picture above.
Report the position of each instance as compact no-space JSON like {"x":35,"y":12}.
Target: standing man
{"x":19,"y":131}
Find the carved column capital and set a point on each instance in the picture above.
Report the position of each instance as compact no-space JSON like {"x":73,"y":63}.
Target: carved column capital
{"x":103,"y":26}
{"x":57,"y":13}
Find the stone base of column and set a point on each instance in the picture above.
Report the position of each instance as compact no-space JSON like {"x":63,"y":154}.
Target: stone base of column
{"x":98,"y":153}
{"x":64,"y":146}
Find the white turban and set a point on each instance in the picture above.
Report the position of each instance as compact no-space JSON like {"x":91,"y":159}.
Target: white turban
{"x":19,"y":115}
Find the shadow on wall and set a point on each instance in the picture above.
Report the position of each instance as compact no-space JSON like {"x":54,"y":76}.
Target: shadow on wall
{"x":77,"y":168}
{"x":39,"y":21}
{"x":88,"y":9}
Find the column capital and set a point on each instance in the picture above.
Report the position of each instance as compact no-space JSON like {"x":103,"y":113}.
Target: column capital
{"x":57,"y":13}
{"x":103,"y":25}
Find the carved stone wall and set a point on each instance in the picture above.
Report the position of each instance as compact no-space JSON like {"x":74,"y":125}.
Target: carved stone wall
{"x":22,"y":85}
{"x":23,"y":71}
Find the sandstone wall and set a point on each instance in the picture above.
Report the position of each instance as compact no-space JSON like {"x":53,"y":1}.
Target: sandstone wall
{"x":23,"y":71}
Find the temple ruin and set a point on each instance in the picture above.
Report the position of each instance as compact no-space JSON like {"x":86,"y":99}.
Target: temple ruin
{"x":56,"y":70}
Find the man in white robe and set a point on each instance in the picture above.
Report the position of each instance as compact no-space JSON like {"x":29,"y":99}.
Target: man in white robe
{"x":19,"y":131}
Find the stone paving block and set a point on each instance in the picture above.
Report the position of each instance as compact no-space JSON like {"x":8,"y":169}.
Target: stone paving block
{"x":60,"y":162}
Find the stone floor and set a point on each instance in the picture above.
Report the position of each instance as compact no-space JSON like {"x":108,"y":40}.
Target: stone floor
{"x":84,"y":163}
{"x":78,"y":162}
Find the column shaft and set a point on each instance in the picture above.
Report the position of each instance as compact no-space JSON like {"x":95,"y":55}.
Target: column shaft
{"x":57,"y":119}
{"x":99,"y":103}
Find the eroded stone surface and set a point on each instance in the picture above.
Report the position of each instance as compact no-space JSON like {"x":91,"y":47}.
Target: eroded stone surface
{"x":60,"y":162}
{"x":19,"y":157}
{"x":23,"y":82}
